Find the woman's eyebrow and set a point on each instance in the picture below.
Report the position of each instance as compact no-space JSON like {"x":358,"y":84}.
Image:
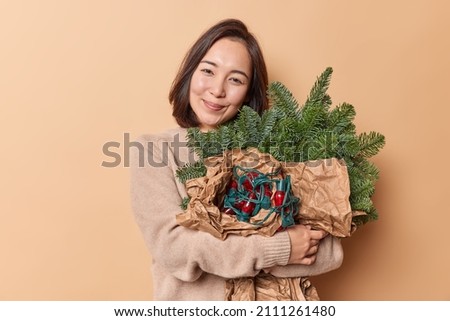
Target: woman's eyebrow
{"x":234,"y":70}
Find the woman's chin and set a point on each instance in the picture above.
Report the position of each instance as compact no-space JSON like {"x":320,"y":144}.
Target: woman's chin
{"x":206,"y":127}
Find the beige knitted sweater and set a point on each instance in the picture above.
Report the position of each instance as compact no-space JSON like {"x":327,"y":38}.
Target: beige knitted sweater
{"x":193,"y":265}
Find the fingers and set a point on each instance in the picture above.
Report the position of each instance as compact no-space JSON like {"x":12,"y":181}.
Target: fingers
{"x":310,"y":256}
{"x":312,"y":250}
{"x":308,"y":260}
{"x":318,"y":234}
{"x":304,"y":244}
{"x":315,"y":234}
{"x":306,"y":256}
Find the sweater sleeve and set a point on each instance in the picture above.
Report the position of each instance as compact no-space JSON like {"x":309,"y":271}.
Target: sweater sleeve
{"x":156,"y":196}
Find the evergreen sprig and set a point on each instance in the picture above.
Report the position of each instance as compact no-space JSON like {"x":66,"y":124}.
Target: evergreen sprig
{"x":318,"y":94}
{"x":294,"y":133}
{"x":191,"y":171}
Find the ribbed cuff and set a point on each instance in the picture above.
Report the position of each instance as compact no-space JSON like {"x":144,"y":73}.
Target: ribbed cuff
{"x":277,"y":250}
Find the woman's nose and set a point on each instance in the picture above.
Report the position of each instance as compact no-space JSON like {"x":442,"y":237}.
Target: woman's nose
{"x":217,"y":88}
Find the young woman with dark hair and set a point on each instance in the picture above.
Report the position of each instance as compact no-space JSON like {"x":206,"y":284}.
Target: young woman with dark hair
{"x":223,"y":70}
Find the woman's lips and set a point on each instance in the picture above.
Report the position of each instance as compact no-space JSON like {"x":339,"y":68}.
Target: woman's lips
{"x":213,"y":106}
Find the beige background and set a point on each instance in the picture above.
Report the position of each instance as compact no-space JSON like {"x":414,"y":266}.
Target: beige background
{"x":77,"y":74}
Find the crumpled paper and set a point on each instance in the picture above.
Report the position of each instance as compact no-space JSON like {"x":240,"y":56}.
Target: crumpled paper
{"x":266,"y":287}
{"x":208,"y":192}
{"x":322,"y":186}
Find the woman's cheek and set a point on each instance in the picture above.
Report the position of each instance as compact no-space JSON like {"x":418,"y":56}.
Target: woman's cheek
{"x":238,"y":96}
{"x":198,"y":84}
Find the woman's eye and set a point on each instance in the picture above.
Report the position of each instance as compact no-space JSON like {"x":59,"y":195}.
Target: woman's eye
{"x":236,"y":81}
{"x":206,"y":71}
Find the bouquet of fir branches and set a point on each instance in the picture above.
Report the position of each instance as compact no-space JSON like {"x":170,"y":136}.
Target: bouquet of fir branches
{"x":292,"y":164}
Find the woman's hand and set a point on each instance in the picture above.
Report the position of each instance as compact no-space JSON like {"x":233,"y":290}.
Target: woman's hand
{"x":304,"y":244}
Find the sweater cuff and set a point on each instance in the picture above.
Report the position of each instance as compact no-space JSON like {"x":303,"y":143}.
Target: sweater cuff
{"x":277,"y":250}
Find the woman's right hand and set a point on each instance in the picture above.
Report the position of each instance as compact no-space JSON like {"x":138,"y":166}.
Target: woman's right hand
{"x":304,"y":244}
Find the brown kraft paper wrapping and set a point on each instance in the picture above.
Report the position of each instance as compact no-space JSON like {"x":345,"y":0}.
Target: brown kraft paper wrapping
{"x":206,"y":192}
{"x":322,"y":186}
{"x":324,"y":190}
{"x":266,"y":287}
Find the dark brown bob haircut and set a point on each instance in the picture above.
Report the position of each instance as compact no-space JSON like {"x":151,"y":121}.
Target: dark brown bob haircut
{"x":229,"y":28}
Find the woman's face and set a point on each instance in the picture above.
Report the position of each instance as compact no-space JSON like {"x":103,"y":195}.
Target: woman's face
{"x":220,"y":83}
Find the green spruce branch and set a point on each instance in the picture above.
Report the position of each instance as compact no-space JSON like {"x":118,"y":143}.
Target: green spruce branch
{"x":290,"y":132}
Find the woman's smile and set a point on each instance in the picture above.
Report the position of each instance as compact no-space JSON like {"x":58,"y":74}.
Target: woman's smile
{"x":213,"y":106}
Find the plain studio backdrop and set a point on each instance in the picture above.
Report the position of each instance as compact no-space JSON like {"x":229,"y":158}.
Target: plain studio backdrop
{"x":75,"y":75}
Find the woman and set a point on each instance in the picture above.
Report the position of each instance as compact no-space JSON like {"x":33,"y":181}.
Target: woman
{"x":223,"y":70}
